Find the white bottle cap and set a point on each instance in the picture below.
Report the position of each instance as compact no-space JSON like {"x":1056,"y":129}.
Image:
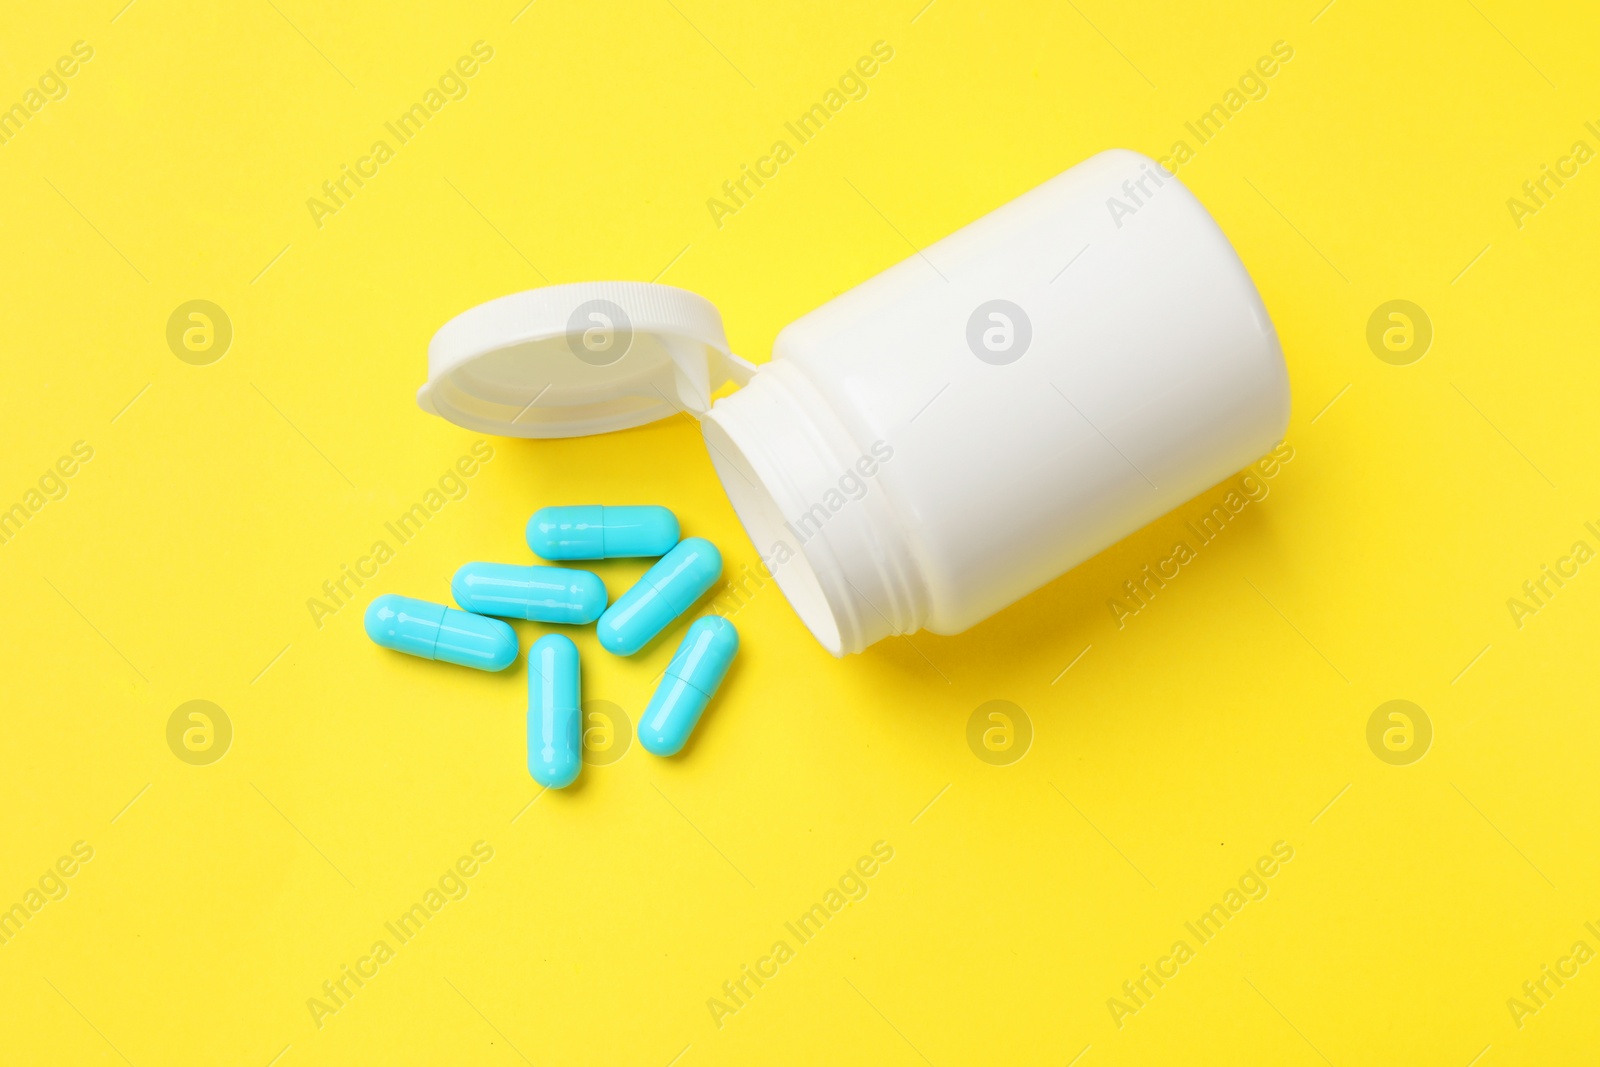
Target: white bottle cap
{"x":572,"y":360}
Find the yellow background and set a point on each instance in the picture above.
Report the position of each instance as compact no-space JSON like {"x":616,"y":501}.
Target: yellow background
{"x":1224,"y":717}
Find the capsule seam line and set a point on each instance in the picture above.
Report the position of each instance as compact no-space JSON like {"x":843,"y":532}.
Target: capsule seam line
{"x":691,"y":685}
{"x":438,"y":631}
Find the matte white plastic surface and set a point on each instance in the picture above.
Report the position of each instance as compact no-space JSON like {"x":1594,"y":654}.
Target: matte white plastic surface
{"x":1131,"y":366}
{"x":584,"y":358}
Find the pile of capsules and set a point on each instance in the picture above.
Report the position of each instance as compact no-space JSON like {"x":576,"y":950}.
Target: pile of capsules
{"x":686,"y":569}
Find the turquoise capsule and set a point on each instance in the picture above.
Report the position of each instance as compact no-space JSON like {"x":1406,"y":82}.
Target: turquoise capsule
{"x":540,"y":594}
{"x":697,"y":668}
{"x":666,"y":591}
{"x":555,"y":735}
{"x":594,"y":531}
{"x":433,"y":631}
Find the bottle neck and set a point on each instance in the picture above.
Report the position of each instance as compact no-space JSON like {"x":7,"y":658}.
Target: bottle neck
{"x":807,"y":493}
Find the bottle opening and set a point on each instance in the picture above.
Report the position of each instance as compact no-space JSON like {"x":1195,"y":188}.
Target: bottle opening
{"x":843,"y":562}
{"x":764,"y":522}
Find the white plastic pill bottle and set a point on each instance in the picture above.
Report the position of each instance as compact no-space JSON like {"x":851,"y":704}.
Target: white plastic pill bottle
{"x":946,"y":437}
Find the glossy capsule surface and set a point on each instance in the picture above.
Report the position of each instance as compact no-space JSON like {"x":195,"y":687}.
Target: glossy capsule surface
{"x":540,"y":594}
{"x":555,"y":736}
{"x":434,"y":631}
{"x":666,"y":591}
{"x":692,"y":678}
{"x":597,"y":531}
